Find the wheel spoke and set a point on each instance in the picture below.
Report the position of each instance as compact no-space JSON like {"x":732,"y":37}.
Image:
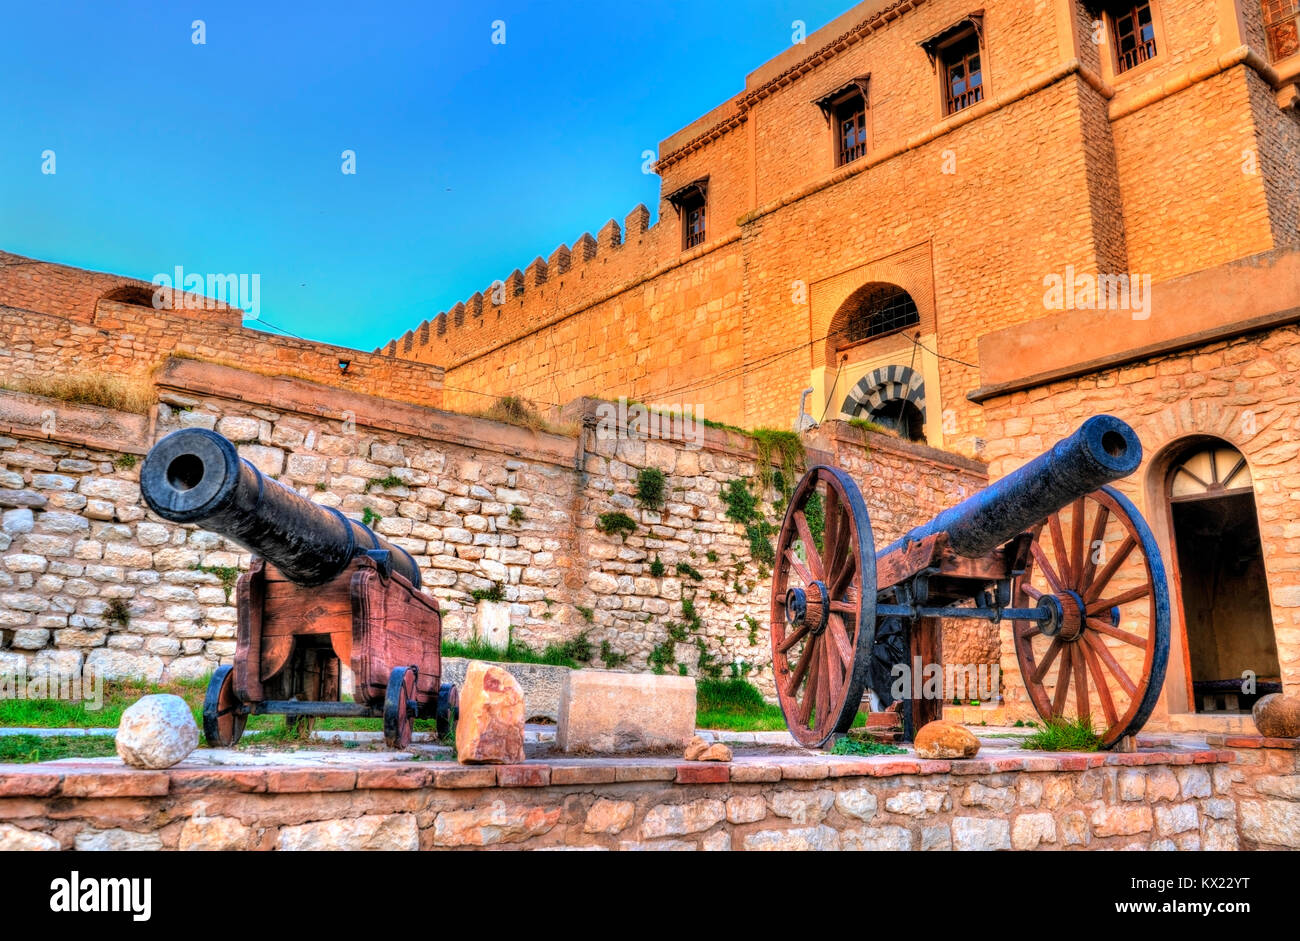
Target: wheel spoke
{"x":792,"y":638}
{"x":1124,"y":597}
{"x":1049,"y":573}
{"x":1098,"y":537}
{"x":1099,"y":647}
{"x":1062,"y":682}
{"x":822,"y":682}
{"x":1033,"y":593}
{"x":810,"y":547}
{"x":1043,"y":667}
{"x":1081,"y":683}
{"x":801,"y":668}
{"x":841,"y":645}
{"x":831,"y":532}
{"x":1058,"y":549}
{"x":845,"y":607}
{"x":834,"y":671}
{"x":798,"y":566}
{"x":1030,"y":629}
{"x":812,"y":654}
{"x":1103,"y":688}
{"x":1076,"y":540}
{"x":1112,"y":566}
{"x":1097,"y":624}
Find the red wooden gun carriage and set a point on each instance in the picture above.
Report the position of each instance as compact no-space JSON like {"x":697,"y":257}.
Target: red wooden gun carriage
{"x":325,"y":597}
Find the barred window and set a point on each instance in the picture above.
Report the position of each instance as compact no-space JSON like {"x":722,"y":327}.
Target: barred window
{"x":851,"y":128}
{"x":963,"y":73}
{"x":883,"y":311}
{"x":1282,"y":25}
{"x":1135,"y":35}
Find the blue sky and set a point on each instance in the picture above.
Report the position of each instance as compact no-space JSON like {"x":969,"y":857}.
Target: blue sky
{"x":472,"y":158}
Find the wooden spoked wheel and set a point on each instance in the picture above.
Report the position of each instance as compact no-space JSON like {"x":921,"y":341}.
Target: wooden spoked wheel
{"x":223,"y":716}
{"x":823,"y":610}
{"x":1096,"y":564}
{"x":399,"y":707}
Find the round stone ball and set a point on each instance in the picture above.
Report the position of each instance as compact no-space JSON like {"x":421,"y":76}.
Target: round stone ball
{"x":157,"y":732}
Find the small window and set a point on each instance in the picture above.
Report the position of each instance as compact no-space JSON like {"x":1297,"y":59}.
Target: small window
{"x":881,"y":312}
{"x":694,"y":225}
{"x":1282,"y":24}
{"x":691,"y":203}
{"x":962,"y":72}
{"x":851,"y":128}
{"x":1135,"y":35}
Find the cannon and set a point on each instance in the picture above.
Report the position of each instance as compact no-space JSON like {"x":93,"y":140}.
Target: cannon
{"x":1051,"y":548}
{"x":325,"y":600}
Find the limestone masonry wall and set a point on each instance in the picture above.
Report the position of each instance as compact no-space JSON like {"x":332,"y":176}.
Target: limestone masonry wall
{"x":89,"y":576}
{"x":1156,"y":800}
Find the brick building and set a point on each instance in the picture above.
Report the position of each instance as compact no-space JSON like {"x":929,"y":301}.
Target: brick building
{"x":979,"y":227}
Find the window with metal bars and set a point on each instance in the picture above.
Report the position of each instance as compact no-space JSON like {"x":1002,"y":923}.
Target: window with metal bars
{"x":1135,"y":35}
{"x":963,"y":74}
{"x":1282,"y":26}
{"x":850,"y":128}
{"x":693,"y":223}
{"x":883,"y":311}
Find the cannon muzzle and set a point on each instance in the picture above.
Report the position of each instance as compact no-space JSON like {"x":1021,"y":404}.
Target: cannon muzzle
{"x":1103,"y":450}
{"x":196,"y":476}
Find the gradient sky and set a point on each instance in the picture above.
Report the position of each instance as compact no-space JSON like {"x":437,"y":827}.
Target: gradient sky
{"x":472,"y":158}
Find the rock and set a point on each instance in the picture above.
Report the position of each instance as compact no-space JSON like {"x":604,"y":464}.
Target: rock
{"x":492,"y":623}
{"x":980,"y":833}
{"x":495,"y":823}
{"x":490,"y":729}
{"x":370,"y":832}
{"x":1278,"y":716}
{"x":16,"y":838}
{"x":606,"y":712}
{"x":157,"y":732}
{"x":682,"y":819}
{"x":121,"y":665}
{"x":113,"y":841}
{"x":216,"y":834}
{"x":716,"y":752}
{"x":608,"y":816}
{"x":695,"y":748}
{"x":541,"y":683}
{"x":941,"y":739}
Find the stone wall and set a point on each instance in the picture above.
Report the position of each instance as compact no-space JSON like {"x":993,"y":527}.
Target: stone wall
{"x":1189,"y":800}
{"x":87,"y":574}
{"x":131,"y":341}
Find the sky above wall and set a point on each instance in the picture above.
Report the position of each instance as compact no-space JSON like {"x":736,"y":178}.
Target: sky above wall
{"x":472,"y":157}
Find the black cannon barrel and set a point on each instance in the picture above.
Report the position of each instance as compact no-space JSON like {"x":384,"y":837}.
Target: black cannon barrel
{"x":196,"y":476}
{"x":1103,"y":450}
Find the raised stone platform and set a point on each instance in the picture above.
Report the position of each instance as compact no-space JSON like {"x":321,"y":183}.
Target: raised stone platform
{"x":1157,"y":798}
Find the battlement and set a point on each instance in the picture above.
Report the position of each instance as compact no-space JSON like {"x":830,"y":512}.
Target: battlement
{"x":570,"y":278}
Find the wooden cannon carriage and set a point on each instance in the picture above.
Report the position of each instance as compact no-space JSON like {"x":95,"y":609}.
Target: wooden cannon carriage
{"x":324,"y":595}
{"x":1066,"y":559}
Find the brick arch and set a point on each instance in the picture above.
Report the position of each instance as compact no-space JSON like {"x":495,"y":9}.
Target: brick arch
{"x":886,"y":384}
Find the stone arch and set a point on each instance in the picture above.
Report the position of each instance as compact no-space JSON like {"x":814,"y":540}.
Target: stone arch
{"x":138,"y":294}
{"x":886,"y":384}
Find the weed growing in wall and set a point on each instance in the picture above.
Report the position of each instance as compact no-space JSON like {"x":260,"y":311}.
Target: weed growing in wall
{"x":620,"y":523}
{"x":228,"y":575}
{"x":657,"y":568}
{"x":610,"y":657}
{"x":117,"y":613}
{"x":369,"y":517}
{"x":650,"y":483}
{"x":689,"y":571}
{"x":743,"y":507}
{"x":493,"y":593}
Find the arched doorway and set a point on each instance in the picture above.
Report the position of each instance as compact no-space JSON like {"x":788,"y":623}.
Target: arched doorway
{"x":892,"y":397}
{"x":1220,"y":577}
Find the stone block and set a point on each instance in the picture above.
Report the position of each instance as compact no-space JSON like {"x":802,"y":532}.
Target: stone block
{"x":541,"y":683}
{"x":605,"y":712}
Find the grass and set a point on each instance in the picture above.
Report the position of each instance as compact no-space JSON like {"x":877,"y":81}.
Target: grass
{"x":25,"y":749}
{"x":737,"y":706}
{"x":66,"y":714}
{"x":513,"y":410}
{"x":1064,"y":735}
{"x":847,"y":746}
{"x":92,"y":388}
{"x":556,"y":655}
